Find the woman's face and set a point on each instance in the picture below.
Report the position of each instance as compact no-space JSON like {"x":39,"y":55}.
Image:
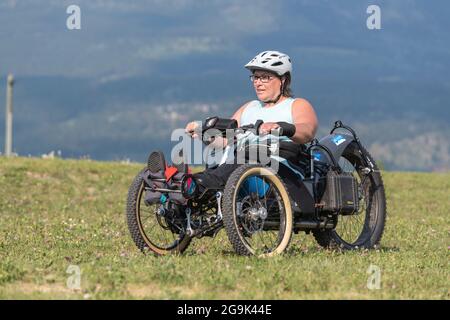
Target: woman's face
{"x":267,"y":85}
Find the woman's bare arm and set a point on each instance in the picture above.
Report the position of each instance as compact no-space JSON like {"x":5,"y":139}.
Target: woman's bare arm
{"x":305,"y":121}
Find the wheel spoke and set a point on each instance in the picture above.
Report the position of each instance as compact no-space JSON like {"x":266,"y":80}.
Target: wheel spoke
{"x":156,"y":229}
{"x":254,"y":232}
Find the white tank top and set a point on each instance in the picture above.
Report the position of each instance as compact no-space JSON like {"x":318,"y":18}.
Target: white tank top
{"x":280,"y":112}
{"x":255,"y":110}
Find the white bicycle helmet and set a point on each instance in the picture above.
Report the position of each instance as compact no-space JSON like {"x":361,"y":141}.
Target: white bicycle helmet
{"x":274,"y":61}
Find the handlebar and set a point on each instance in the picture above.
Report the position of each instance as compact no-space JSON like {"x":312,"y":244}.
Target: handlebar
{"x":223,"y":125}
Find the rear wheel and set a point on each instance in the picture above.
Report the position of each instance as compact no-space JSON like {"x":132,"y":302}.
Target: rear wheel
{"x":150,"y":228}
{"x":257,"y":213}
{"x":363,"y":229}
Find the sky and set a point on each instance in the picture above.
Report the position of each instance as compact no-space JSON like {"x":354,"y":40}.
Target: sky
{"x":121,"y":39}
{"x":90,"y":91}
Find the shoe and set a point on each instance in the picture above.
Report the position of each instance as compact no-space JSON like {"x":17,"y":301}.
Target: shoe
{"x":180,"y":169}
{"x":177,"y":170}
{"x":156,"y":165}
{"x":167,"y":177}
{"x":180,"y":165}
{"x":156,"y":162}
{"x":174,"y":183}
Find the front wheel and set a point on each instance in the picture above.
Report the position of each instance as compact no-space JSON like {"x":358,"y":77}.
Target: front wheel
{"x":149,"y":229}
{"x":363,"y":229}
{"x":257,"y":213}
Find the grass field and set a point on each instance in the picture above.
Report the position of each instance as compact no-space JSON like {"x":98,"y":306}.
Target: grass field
{"x":57,"y":213}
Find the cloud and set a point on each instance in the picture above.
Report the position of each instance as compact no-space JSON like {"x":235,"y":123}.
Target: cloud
{"x":326,"y":50}
{"x":9,"y":4}
{"x":161,"y":6}
{"x":390,"y":79}
{"x":402,"y":13}
{"x":113,"y":5}
{"x":252,"y":18}
{"x":113,"y":77}
{"x":180,"y":46}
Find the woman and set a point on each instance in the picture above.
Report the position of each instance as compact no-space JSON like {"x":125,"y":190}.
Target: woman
{"x":271,"y":78}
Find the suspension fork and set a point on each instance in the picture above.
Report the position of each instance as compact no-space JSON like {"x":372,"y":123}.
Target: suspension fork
{"x":189,"y":230}
{"x":219,"y":195}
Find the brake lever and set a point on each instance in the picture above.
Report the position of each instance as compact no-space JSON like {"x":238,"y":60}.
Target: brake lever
{"x":278,"y":131}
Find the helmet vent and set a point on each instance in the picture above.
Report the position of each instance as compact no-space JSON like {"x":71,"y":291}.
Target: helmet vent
{"x":279,"y":63}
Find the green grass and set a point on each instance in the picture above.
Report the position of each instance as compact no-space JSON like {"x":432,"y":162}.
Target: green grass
{"x":56,"y":213}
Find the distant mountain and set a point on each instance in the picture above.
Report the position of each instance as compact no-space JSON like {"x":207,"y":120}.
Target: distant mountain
{"x":128,"y":118}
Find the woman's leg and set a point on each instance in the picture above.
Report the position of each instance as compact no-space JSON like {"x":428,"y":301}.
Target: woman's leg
{"x":215,"y":178}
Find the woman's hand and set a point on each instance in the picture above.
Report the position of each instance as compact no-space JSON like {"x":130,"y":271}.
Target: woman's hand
{"x":266,"y":127}
{"x":192,"y":129}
